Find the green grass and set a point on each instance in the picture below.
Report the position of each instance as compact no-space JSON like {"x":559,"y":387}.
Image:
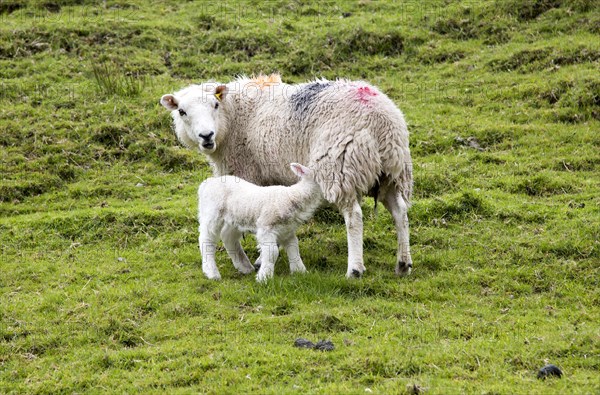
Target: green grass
{"x":101,"y":288}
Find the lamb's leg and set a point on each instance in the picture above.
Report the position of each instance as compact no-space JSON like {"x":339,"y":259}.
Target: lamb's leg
{"x":269,"y":252}
{"x":231,"y":239}
{"x":396,"y":205}
{"x":208,"y":240}
{"x":354,"y":228}
{"x":293,"y":252}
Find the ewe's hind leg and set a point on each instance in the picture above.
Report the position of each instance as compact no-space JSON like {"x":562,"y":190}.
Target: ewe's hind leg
{"x":231,"y":239}
{"x":354,"y":228}
{"x":208,"y":246}
{"x":396,"y":205}
{"x":293,"y":252}
{"x":257,"y":263}
{"x":269,"y":252}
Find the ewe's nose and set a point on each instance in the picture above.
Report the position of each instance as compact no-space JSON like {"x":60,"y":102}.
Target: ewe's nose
{"x":206,"y":137}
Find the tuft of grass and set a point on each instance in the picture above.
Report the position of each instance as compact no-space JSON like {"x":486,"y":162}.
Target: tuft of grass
{"x":111,"y":81}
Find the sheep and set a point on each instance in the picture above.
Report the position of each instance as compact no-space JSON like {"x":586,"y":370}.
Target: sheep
{"x":349,"y":133}
{"x":229,"y":206}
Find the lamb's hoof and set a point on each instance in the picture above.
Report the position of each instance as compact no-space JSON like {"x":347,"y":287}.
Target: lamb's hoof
{"x":298,"y":269}
{"x":263,"y":277}
{"x":213,"y":276}
{"x":403,"y":268}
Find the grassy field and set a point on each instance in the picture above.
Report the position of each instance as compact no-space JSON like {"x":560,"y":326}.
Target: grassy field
{"x":101,"y":288}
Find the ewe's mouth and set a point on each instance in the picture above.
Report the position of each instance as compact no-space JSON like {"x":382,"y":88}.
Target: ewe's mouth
{"x":208,"y":145}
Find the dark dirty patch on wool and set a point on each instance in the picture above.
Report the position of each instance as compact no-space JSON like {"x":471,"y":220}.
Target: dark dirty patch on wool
{"x":305,"y":97}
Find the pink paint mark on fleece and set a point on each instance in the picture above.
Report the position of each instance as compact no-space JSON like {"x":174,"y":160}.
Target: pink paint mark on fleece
{"x":364,"y":94}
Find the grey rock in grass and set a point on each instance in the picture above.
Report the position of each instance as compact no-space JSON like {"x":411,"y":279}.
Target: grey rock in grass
{"x":414,"y":389}
{"x":548,"y":371}
{"x":303,"y":343}
{"x":470,"y":142}
{"x":324,"y":345}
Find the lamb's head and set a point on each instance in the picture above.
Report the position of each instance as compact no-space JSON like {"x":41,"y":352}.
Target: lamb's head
{"x":195,"y":112}
{"x":305,"y":174}
{"x":307,"y":188}
{"x":301,"y":171}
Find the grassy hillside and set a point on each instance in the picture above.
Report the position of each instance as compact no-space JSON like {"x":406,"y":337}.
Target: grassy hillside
{"x":101,"y":288}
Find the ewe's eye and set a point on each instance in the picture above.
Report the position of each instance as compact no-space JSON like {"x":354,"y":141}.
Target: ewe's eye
{"x":216,"y":105}
{"x":182,"y":113}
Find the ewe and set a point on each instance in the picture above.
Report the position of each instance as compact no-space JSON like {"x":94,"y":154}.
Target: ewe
{"x":350,"y":134}
{"x":229,"y":206}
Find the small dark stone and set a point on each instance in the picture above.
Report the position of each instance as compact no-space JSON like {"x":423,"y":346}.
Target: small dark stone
{"x":303,"y":343}
{"x":414,"y":389}
{"x":356,"y":273}
{"x":549,"y":370}
{"x":346,"y":14}
{"x":469,"y":142}
{"x":576,"y":205}
{"x":324,"y":345}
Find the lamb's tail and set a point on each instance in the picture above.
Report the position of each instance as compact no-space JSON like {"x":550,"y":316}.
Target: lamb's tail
{"x":349,"y":166}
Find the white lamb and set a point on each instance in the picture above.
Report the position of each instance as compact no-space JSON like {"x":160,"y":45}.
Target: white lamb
{"x":229,"y":206}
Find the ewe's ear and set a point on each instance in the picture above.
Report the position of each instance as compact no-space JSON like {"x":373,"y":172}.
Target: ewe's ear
{"x":221,"y":92}
{"x":170,"y":102}
{"x":299,"y":170}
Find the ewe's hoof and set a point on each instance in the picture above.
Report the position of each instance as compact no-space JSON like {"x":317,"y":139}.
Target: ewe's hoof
{"x":247,"y":269}
{"x":355,"y":273}
{"x":403,"y":268}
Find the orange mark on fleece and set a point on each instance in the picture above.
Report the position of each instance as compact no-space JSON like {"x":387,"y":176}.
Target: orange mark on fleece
{"x":263,"y":81}
{"x":364,"y":94}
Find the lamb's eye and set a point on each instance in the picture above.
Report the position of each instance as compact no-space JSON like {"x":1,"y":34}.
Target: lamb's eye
{"x":182,"y":113}
{"x":216,"y":105}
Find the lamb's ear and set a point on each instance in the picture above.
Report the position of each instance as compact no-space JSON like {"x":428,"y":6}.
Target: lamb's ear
{"x":299,"y":170}
{"x":170,"y":102}
{"x":221,"y":92}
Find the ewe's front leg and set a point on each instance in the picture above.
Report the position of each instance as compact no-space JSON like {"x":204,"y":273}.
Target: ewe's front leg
{"x":293,"y":252}
{"x":208,"y":247}
{"x":354,"y":228}
{"x":269,"y":252}
{"x":231,"y":239}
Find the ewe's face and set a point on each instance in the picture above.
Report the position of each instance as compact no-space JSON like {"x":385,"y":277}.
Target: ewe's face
{"x":194,"y":111}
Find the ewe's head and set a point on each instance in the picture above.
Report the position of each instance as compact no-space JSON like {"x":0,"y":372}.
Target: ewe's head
{"x":195,"y":112}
